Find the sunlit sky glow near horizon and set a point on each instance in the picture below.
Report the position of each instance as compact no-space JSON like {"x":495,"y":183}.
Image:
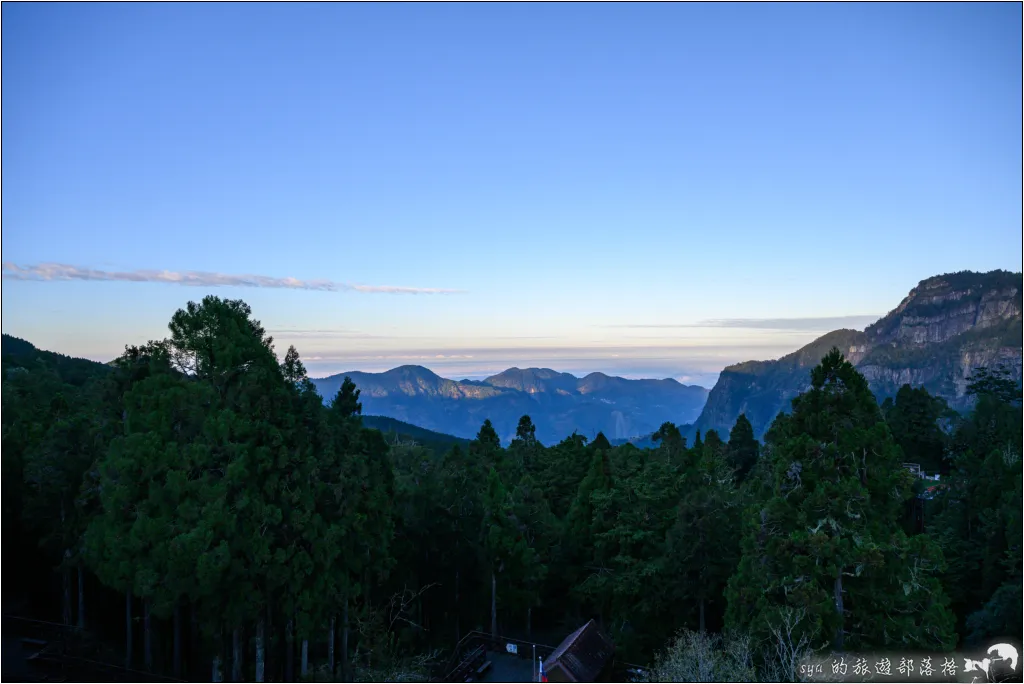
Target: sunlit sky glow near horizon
{"x":649,"y":190}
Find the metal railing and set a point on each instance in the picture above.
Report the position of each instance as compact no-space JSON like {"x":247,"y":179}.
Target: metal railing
{"x":467,"y":649}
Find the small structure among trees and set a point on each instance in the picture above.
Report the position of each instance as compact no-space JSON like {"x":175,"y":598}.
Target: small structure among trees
{"x":581,"y":657}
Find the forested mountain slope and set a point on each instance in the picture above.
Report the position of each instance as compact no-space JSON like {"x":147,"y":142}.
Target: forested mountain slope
{"x":74,"y":371}
{"x":397,"y":431}
{"x":947,"y":327}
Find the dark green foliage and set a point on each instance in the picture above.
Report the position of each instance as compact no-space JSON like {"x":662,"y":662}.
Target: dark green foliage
{"x":208,"y":478}
{"x":562,"y":470}
{"x":669,"y":437}
{"x":976,"y":515}
{"x":397,"y":432}
{"x":75,"y":372}
{"x":525,"y":451}
{"x":827,"y":542}
{"x":916,"y":420}
{"x":601,"y":442}
{"x":702,"y":546}
{"x":713,"y":441}
{"x":997,"y":384}
{"x":742,"y":451}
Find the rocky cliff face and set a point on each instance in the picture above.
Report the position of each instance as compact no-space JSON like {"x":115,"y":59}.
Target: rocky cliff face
{"x":945,"y":329}
{"x":760,"y":389}
{"x":943,"y":307}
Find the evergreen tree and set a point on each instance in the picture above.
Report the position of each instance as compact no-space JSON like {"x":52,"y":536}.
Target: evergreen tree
{"x":202,"y":477}
{"x":464,"y":518}
{"x":601,"y":443}
{"x":524,"y":451}
{"x":977,"y":512}
{"x":672,"y":445}
{"x":916,"y":421}
{"x":742,"y":450}
{"x":827,"y":542}
{"x":564,"y":467}
{"x":713,"y":441}
{"x":509,"y":555}
{"x":701,"y":546}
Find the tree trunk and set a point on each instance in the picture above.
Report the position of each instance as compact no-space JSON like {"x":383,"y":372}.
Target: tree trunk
{"x":66,"y":579}
{"x":419,"y":614}
{"x":147,"y":635}
{"x":236,"y":655}
{"x":81,"y":596}
{"x":366,"y":587}
{"x":344,"y":641}
{"x":305,"y":657}
{"x":529,"y":621}
{"x":216,"y":668}
{"x":177,"y":639}
{"x":458,"y":630}
{"x":330,"y":649}
{"x":494,"y":605}
{"x":289,"y":658}
{"x":839,"y":608}
{"x":194,"y":655}
{"x":260,"y":664}
{"x":128,"y":629}
{"x":702,"y":614}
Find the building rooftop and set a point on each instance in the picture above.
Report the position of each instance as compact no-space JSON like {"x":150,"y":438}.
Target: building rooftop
{"x":506,"y":667}
{"x":582,"y":655}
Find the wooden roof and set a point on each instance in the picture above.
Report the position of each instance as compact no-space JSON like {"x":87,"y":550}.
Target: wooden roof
{"x":583,"y":654}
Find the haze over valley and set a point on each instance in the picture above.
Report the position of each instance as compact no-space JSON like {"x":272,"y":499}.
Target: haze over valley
{"x":943,"y":330}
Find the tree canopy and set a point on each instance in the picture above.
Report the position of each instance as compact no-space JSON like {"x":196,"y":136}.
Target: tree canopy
{"x":201,"y":492}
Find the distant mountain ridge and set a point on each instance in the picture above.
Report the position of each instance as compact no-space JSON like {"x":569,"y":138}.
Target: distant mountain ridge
{"x":558,"y":403}
{"x":942,"y":331}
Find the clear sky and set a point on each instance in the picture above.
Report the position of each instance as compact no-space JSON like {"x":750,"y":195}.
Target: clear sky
{"x":644,"y":189}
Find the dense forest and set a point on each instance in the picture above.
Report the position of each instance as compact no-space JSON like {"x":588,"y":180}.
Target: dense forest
{"x":198,"y":511}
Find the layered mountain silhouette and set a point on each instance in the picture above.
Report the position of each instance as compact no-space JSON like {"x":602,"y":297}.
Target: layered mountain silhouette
{"x":944,"y":329}
{"x":558,"y":403}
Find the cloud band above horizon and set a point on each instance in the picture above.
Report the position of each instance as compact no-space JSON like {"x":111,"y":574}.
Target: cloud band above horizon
{"x":51,"y":272}
{"x":807,"y":323}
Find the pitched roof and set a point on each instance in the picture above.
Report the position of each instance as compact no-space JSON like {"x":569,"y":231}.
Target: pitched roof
{"x":584,"y":653}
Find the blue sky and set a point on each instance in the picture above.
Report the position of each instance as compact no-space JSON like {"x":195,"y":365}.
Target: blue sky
{"x":643,"y":189}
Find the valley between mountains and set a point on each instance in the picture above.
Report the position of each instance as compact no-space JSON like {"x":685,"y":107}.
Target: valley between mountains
{"x":943,"y":330}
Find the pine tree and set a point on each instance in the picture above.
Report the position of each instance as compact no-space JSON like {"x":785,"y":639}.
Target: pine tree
{"x":509,"y":555}
{"x":742,"y":450}
{"x":828,"y":542}
{"x":564,"y":467}
{"x":916,"y":421}
{"x":976,"y":514}
{"x":524,"y":451}
{"x":701,"y":545}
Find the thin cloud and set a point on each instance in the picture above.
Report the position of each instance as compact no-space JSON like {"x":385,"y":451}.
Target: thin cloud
{"x":348,"y":334}
{"x":50,"y":272}
{"x":801,"y":324}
